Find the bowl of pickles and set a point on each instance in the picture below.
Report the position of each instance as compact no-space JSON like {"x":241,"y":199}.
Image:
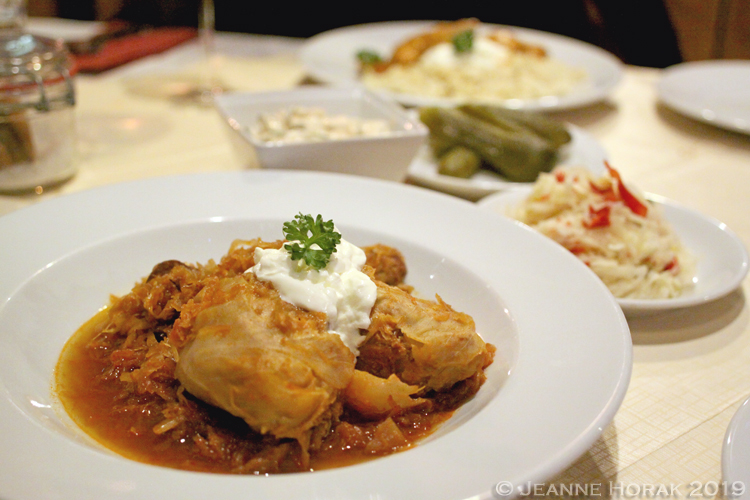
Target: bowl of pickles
{"x":474,"y":150}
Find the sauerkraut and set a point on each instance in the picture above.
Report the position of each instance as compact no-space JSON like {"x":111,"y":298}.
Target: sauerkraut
{"x":620,"y":235}
{"x":204,"y":367}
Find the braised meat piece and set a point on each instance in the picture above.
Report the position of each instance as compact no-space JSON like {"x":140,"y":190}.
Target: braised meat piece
{"x":388,"y":263}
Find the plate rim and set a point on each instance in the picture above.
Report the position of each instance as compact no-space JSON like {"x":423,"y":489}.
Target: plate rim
{"x":729,"y":451}
{"x":66,"y":205}
{"x":560,"y":103}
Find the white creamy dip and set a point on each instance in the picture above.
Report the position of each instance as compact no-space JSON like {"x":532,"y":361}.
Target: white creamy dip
{"x":340,"y":290}
{"x":313,"y":124}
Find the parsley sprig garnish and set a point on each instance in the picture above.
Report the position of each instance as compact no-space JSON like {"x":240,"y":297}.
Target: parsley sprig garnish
{"x":464,"y":41}
{"x":312,"y":240}
{"x":367,"y":56}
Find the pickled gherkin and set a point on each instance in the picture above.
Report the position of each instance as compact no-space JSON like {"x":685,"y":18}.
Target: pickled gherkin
{"x":552,"y":130}
{"x":516,"y":149}
{"x":459,"y":161}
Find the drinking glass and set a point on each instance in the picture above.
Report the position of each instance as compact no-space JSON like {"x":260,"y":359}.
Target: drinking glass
{"x":196,"y":84}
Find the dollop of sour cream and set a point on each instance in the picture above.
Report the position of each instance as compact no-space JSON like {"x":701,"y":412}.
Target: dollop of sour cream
{"x":485,"y":53}
{"x":340,"y":290}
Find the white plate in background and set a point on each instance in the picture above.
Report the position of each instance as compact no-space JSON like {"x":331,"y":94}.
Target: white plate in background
{"x":735,"y":455}
{"x":583,"y":150}
{"x":330,"y":57}
{"x":714,"y":92}
{"x":722,"y":260}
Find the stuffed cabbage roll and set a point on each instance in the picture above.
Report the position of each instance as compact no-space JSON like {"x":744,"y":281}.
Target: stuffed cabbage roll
{"x":424,"y":343}
{"x":264,"y":360}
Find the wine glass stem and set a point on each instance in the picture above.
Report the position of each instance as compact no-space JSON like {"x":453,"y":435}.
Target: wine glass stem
{"x":206,"y":30}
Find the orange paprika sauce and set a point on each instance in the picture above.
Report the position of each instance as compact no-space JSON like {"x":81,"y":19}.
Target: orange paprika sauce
{"x":213,"y":440}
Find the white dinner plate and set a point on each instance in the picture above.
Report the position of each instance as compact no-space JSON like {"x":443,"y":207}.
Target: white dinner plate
{"x":735,"y":455}
{"x":561,"y":371}
{"x":722,"y":258}
{"x":70,"y":30}
{"x":583,"y":150}
{"x":715,"y":92}
{"x":330,"y":57}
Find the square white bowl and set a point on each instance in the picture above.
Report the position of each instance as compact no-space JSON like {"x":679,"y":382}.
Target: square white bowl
{"x":384,"y":157}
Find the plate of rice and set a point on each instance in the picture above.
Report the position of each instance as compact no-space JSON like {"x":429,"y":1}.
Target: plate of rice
{"x":652,"y":253}
{"x":426,"y":63}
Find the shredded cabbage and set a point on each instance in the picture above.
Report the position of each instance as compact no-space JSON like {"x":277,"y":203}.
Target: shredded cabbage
{"x":596,"y":218}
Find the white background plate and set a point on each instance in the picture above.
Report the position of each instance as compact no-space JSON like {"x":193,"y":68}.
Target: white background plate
{"x":715,"y":92}
{"x":559,"y":332}
{"x":330,"y":57}
{"x":583,"y":150}
{"x":735,"y":455}
{"x":722,"y":258}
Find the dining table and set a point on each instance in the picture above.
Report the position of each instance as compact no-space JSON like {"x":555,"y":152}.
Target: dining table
{"x":691,"y":366}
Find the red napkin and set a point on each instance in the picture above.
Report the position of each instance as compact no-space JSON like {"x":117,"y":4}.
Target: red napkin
{"x":119,"y":51}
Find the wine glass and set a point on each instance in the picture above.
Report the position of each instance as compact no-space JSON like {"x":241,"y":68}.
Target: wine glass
{"x":194,"y":84}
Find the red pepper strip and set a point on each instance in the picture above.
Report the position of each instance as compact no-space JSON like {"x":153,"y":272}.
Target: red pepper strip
{"x":607,"y":194}
{"x":630,"y":200}
{"x":671,"y":264}
{"x":597,"y":217}
{"x":577,"y":249}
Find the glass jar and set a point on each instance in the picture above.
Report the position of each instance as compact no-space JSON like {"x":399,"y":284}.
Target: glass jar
{"x":37,"y":98}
